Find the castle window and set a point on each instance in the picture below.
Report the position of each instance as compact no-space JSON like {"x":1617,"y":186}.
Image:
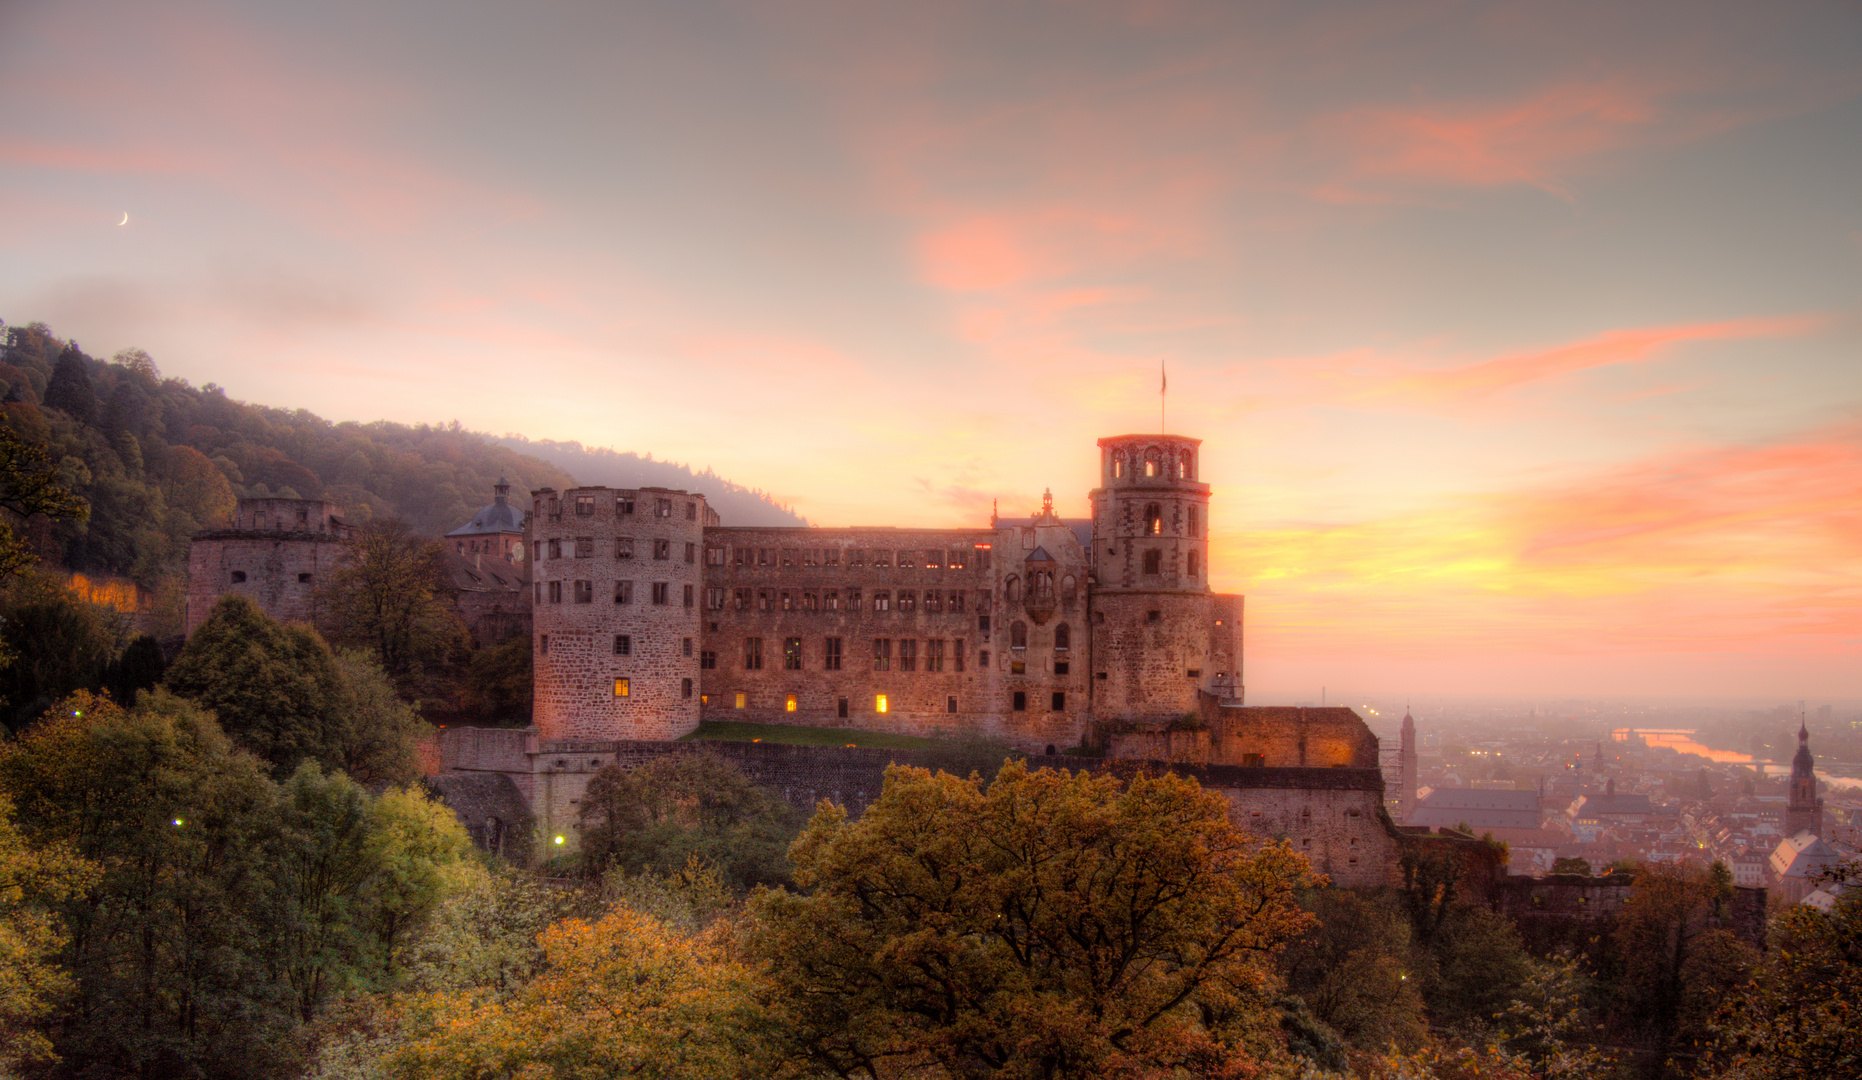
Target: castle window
{"x":788,"y":557}
{"x":1154,"y":616}
{"x":956,"y":601}
{"x":831,"y":599}
{"x":840,"y":708}
{"x":810,"y":556}
{"x":662,"y":550}
{"x":1020,"y":701}
{"x":662,"y":508}
{"x":1255,"y":761}
{"x":830,"y":557}
{"x":685,"y":688}
{"x":882,"y":600}
{"x":662,"y":592}
{"x":956,"y":654}
{"x":303,"y":579}
{"x":853,"y":600}
{"x":555,"y":510}
{"x":1018,"y":667}
{"x":539,"y":588}
{"x":879,"y":703}
{"x":882,"y":654}
{"x":1059,"y":702}
{"x":584,"y":592}
{"x":906,"y":560}
{"x":881,"y":558}
{"x":950,"y":704}
{"x":830,"y":654}
{"x":856,"y":557}
{"x":714,"y":599}
{"x":543,"y":644}
{"x":707,"y":660}
{"x":1194,"y":673}
{"x":1069,"y":590}
{"x":982,"y":658}
{"x":623,"y":645}
{"x":1063,"y":637}
{"x":1153,"y":462}
{"x":788,"y":703}
{"x":908,"y":600}
{"x":555,"y":549}
{"x":982,"y":625}
{"x":753,"y":654}
{"x":1018,"y":635}
{"x":742,"y":600}
{"x":537,"y":551}
{"x":739,"y":699}
{"x":1194,"y":564}
{"x":788,"y":600}
{"x":934,"y":600}
{"x":908,"y":654}
{"x":934,"y":655}
{"x":1195,"y":521}
{"x":811,"y":600}
{"x":584,"y":506}
{"x":1118,"y":464}
{"x":1062,"y":667}
{"x":584,"y":547}
{"x":691,"y":511}
{"x":764,"y":600}
{"x":555,"y":592}
{"x":792,"y":654}
{"x":687,"y":597}
{"x":1153,"y":520}
{"x":623,"y":505}
{"x":239,"y":577}
{"x":740,"y":556}
{"x":691,"y":552}
{"x":1012,"y":589}
{"x":1153,"y":561}
{"x":934,"y":560}
{"x":1042,"y":583}
{"x":957,"y":559}
{"x":685,"y":645}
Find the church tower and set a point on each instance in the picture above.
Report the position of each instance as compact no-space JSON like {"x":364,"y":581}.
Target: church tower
{"x":1804,"y":810}
{"x":1406,"y":797}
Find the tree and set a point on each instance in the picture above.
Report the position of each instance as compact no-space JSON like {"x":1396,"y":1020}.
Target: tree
{"x":498,"y":683}
{"x":381,"y":731}
{"x":1354,"y":972}
{"x":385,"y":600}
{"x":1046,"y":924}
{"x":59,"y":644}
{"x":621,"y":996}
{"x":138,"y":668}
{"x":29,"y":488}
{"x":69,"y":389}
{"x":276,"y":689}
{"x":1677,"y":962}
{"x":657,"y":817}
{"x":1801,"y":1016}
{"x":32,"y":932}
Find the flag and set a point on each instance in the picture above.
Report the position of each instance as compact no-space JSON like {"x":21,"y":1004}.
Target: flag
{"x":1163,"y":379}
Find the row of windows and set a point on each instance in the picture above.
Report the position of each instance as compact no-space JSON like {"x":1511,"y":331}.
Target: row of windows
{"x":830,"y":600}
{"x":902,"y":654}
{"x":1154,"y":462}
{"x":740,"y":699}
{"x":583,"y":547}
{"x":938,"y":559}
{"x":583,"y":592}
{"x":623,"y":506}
{"x":624,"y":687}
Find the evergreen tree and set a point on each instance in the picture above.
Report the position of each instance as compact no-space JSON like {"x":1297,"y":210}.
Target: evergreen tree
{"x":69,"y":389}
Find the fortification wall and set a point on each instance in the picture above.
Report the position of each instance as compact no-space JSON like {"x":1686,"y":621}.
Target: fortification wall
{"x":615,"y":577}
{"x":280,"y":572}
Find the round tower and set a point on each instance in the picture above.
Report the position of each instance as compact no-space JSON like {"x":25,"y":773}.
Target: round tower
{"x":1154,"y":626}
{"x":1803,"y":809}
{"x":615,"y":575}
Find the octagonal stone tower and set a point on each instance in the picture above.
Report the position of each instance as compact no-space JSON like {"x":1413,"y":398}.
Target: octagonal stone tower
{"x":616,"y":575}
{"x":1159,"y":634}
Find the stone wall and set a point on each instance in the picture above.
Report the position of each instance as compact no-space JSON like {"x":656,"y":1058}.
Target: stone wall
{"x":1273,"y":736}
{"x":616,"y":577}
{"x":280,"y":572}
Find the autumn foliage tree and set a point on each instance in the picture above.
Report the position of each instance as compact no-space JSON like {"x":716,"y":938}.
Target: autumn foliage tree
{"x":1042,"y":925}
{"x":386,"y":599}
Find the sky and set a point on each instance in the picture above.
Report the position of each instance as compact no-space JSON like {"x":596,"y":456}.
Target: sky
{"x":1525,"y":340}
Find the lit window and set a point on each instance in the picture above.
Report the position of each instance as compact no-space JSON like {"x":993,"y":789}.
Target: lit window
{"x":879,"y":703}
{"x":737,"y":701}
{"x":621,"y":688}
{"x":788,"y":703}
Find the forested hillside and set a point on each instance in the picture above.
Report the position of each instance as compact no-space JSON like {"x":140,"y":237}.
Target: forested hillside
{"x":738,"y":505}
{"x":158,"y":459}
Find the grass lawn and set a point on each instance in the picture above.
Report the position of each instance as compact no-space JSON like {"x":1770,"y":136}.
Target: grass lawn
{"x":732,"y":731}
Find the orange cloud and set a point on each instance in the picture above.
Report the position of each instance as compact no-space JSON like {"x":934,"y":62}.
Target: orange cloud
{"x":1632,"y":346}
{"x":1753,"y":548}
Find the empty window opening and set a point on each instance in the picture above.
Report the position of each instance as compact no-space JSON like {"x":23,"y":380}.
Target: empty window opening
{"x":792,"y":654}
{"x":239,"y":577}
{"x":908,"y":654}
{"x":882,"y":654}
{"x":584,"y":547}
{"x":543,"y":644}
{"x":840,"y":708}
{"x":1021,"y":701}
{"x":303,"y":579}
{"x":688,"y":594}
{"x":584,"y":592}
{"x":1063,"y":638}
{"x":623,"y":592}
{"x":623,"y":547}
{"x":1059,"y":703}
{"x":1153,"y":562}
{"x":662,"y":592}
{"x":830,"y":654}
{"x":1193,"y":565}
{"x":1018,"y":635}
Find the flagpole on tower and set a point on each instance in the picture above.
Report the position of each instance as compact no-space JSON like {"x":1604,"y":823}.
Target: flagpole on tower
{"x":1163,"y":386}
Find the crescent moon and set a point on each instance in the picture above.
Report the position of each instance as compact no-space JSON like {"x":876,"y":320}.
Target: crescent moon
{"x":125,"y":220}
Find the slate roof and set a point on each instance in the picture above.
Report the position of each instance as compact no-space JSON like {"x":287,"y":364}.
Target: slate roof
{"x":499,"y":517}
{"x":1608,"y":805}
{"x":1480,"y":808}
{"x":486,"y":573}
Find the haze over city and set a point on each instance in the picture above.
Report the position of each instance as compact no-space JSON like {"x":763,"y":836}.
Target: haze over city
{"x":1522,"y":339}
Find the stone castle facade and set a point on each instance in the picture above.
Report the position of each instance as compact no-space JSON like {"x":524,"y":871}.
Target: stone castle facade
{"x":278,"y":553}
{"x":650,"y":614}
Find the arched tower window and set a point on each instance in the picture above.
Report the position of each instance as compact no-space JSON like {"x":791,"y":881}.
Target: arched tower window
{"x":1063,"y":637}
{"x":1153,"y":462}
{"x":1186,"y":465}
{"x":1195,"y":564}
{"x":1013,"y":589}
{"x":1196,"y":521}
{"x":1118,"y":464}
{"x":1069,"y":588}
{"x":1041,"y":584}
{"x":1153,"y":561}
{"x":1153,"y":520}
{"x":1018,"y":635}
